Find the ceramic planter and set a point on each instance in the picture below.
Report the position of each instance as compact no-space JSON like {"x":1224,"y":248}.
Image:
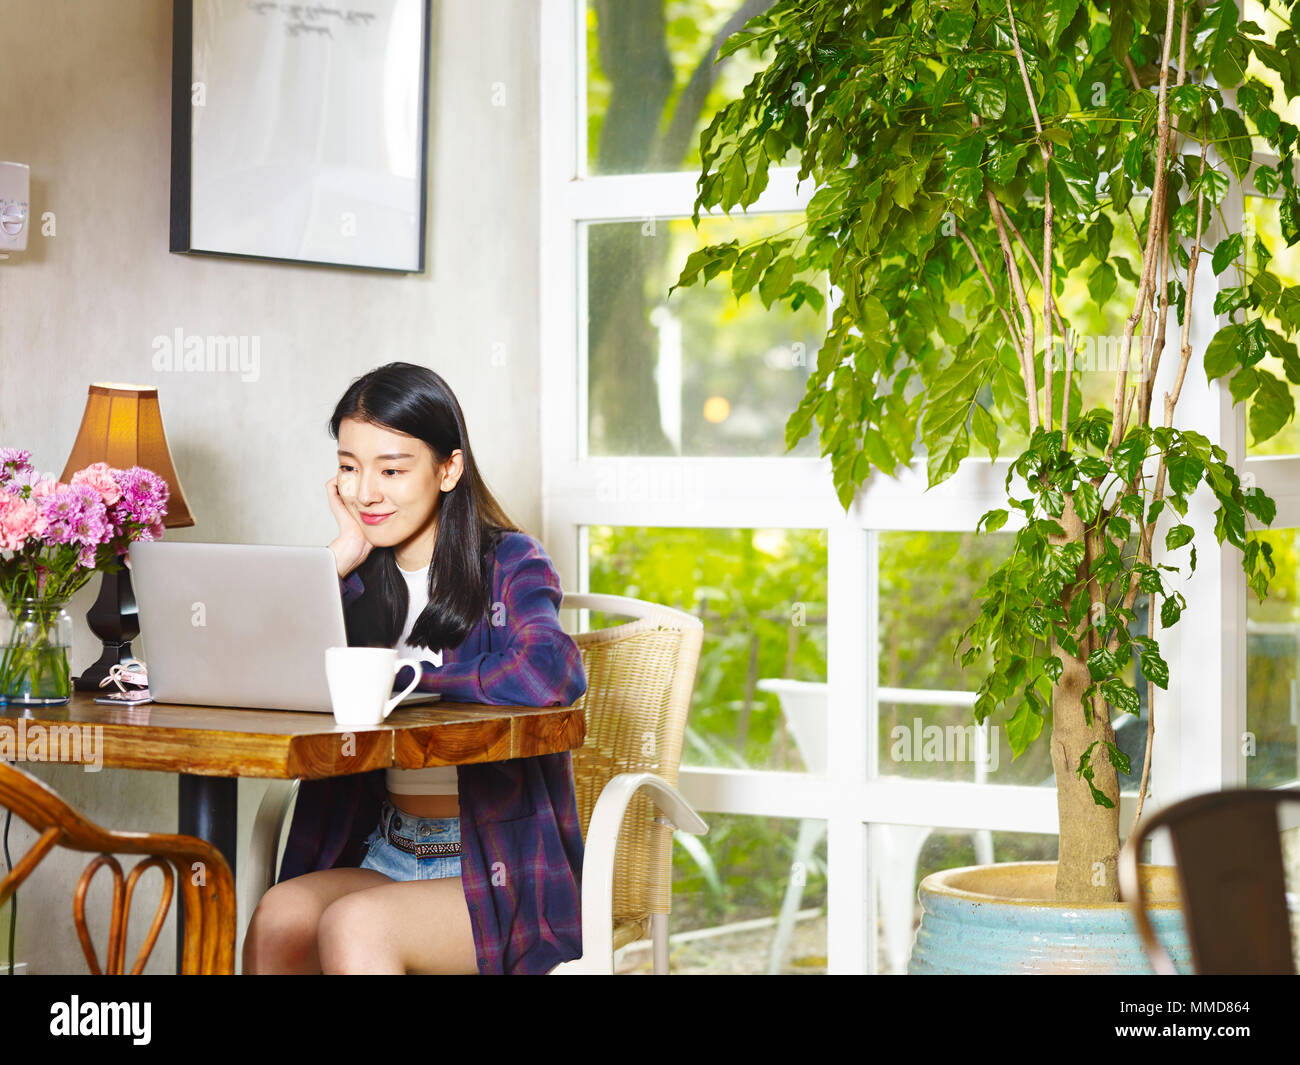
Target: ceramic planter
{"x":1004,"y":919}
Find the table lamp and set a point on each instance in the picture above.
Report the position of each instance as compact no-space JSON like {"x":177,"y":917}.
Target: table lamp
{"x":122,"y":425}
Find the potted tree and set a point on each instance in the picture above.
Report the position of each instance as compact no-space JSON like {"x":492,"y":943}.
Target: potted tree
{"x":968,"y":158}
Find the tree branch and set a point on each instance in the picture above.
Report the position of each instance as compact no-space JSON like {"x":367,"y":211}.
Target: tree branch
{"x":1148,"y":254}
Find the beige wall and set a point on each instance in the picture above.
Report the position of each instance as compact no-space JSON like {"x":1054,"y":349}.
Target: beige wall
{"x":86,"y":103}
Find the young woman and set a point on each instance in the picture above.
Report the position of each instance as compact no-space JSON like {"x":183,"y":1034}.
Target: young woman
{"x":457,"y":869}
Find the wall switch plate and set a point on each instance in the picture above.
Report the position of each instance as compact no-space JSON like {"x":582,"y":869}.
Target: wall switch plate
{"x":15,"y":192}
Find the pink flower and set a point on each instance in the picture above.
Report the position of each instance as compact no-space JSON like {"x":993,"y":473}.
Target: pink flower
{"x":19,"y":519}
{"x":46,"y":488}
{"x":99,"y":475}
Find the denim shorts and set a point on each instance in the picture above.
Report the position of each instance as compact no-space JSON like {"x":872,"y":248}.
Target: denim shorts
{"x":404,"y":847}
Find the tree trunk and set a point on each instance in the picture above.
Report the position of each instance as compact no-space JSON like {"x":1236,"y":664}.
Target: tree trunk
{"x":1088,"y":858}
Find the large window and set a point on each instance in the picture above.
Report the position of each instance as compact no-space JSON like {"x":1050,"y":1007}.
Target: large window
{"x":827,"y":666}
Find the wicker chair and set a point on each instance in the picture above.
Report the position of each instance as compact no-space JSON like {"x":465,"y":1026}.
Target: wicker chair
{"x":640,"y":678}
{"x":209,"y":908}
{"x":1231,"y":880}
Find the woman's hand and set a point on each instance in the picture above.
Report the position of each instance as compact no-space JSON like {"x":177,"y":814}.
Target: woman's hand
{"x":351,"y":546}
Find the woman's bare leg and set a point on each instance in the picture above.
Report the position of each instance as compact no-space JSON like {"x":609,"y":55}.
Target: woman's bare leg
{"x":415,"y":926}
{"x":282,"y":935}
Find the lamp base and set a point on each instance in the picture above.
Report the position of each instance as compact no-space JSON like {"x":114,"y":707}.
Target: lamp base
{"x":114,"y":619}
{"x":114,"y":653}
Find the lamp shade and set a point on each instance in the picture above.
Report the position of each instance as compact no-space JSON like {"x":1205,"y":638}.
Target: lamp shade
{"x":122,"y":425}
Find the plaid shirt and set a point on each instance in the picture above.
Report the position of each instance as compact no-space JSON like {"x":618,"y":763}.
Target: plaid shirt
{"x":522,"y":848}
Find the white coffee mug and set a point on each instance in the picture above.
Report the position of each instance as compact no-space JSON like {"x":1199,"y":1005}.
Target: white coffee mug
{"x":360,"y":679}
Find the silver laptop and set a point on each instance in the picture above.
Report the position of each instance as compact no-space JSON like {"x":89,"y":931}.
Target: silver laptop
{"x":240,"y":625}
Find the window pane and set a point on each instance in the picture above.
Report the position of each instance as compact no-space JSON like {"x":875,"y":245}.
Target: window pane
{"x":929,"y":583}
{"x":1273,"y":670}
{"x":698,"y":373}
{"x":652,"y":85}
{"x":749,"y":896}
{"x":762,"y":596}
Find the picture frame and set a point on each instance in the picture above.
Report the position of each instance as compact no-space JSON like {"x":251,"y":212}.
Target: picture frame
{"x":300,"y":131}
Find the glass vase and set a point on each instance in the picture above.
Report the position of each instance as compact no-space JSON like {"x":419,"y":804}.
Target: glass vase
{"x":35,"y":638}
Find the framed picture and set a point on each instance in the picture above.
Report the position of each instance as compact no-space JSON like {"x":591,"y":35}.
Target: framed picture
{"x":300,"y":131}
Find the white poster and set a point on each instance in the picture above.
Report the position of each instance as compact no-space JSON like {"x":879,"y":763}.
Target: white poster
{"x":307,"y":131}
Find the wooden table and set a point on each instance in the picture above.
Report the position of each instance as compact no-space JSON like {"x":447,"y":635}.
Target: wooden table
{"x":210,"y":747}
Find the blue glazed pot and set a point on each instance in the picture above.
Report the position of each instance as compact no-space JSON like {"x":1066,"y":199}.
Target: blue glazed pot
{"x":1004,"y":919}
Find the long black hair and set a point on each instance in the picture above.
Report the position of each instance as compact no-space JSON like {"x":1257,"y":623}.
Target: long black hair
{"x":410,"y":399}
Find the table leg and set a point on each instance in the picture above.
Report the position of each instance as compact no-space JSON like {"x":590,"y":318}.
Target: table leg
{"x":208,"y":809}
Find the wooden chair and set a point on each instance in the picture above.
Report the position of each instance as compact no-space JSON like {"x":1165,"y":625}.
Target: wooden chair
{"x":640,"y":679}
{"x":209,"y":907}
{"x":1227,"y":848}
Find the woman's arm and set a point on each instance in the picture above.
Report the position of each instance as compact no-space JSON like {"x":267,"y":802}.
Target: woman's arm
{"x":350,"y":587}
{"x":540,"y":664}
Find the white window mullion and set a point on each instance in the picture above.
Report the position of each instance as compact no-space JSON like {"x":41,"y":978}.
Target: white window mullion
{"x":851,"y":656}
{"x":1199,"y":720}
{"x":560,"y":78}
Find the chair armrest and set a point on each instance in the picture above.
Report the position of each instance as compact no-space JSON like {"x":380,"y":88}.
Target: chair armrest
{"x":598,"y":861}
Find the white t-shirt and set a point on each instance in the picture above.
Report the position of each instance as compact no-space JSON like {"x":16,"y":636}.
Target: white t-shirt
{"x":440,"y":779}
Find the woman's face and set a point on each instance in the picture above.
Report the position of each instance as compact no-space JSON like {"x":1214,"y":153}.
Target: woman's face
{"x":391,"y":483}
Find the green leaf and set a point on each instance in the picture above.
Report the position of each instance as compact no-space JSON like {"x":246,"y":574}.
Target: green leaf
{"x":905,"y":185}
{"x":1216,"y":29}
{"x":1288,"y":216}
{"x":1242,"y":384}
{"x":1101,"y":664}
{"x":1087,"y":502}
{"x":985,"y":429}
{"x":1227,"y":250}
{"x":1216,"y":188}
{"x":1023,"y":728}
{"x":1085,"y":771}
{"x":776,"y":279}
{"x":734,"y":180}
{"x":945,"y":455}
{"x":1270,"y":408}
{"x":1221,"y":355}
{"x":1171,"y":609}
{"x":1179,"y":535}
{"x":1121,"y":696}
{"x":1101,"y":282}
{"x":989,"y":96}
{"x":1056,"y":17}
{"x":954,"y":28}
{"x":749,"y":267}
{"x":1004,"y":161}
{"x":1154,"y":668}
{"x":1231,"y":136}
{"x":704,"y":258}
{"x":992,"y":521}
{"x":1118,"y":758}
